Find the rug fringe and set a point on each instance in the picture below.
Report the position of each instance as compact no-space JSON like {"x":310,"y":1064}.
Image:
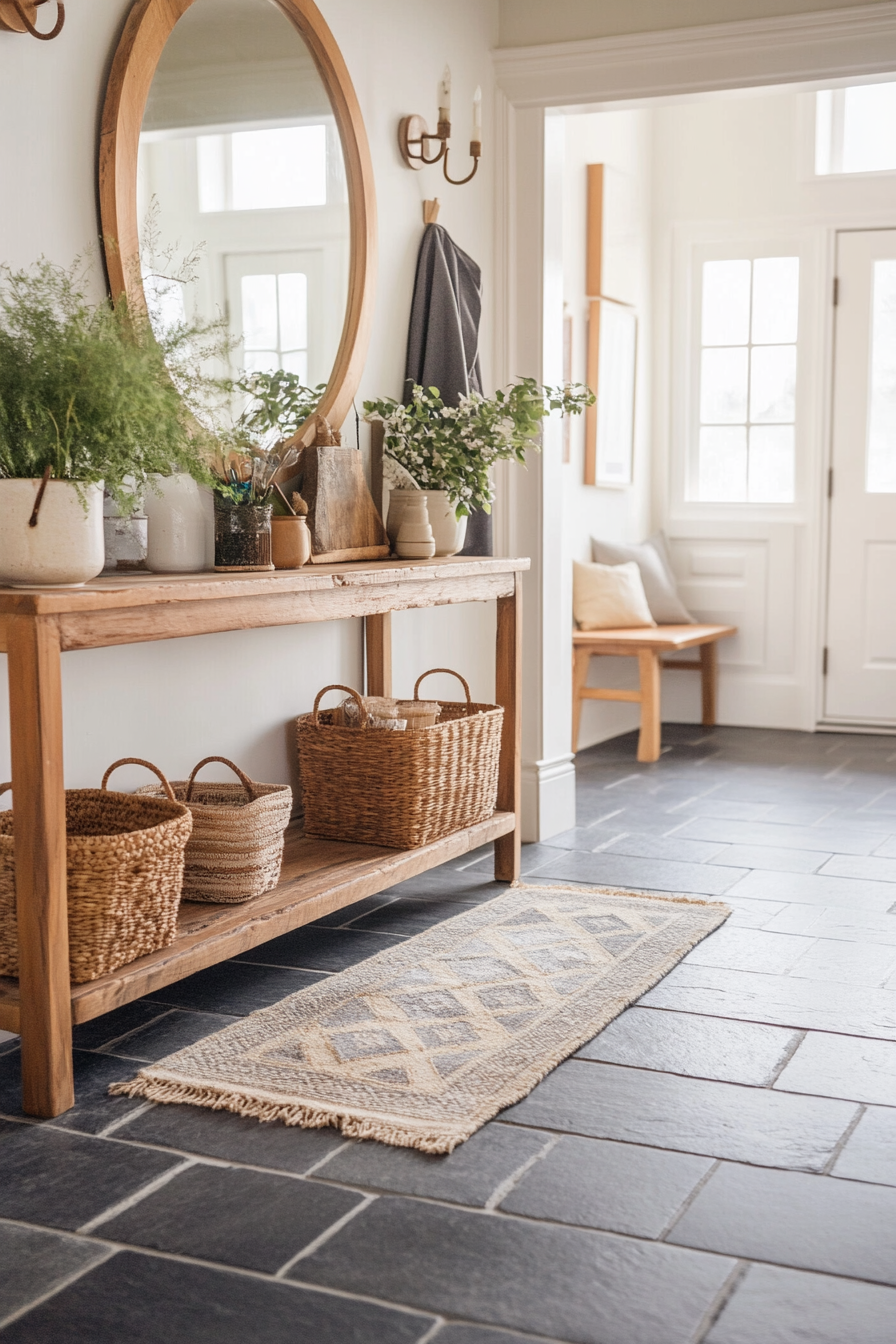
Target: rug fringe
{"x":307,"y":1117}
{"x":579,"y":889}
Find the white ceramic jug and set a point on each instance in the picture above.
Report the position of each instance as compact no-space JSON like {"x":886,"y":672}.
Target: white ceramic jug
{"x":177,"y":513}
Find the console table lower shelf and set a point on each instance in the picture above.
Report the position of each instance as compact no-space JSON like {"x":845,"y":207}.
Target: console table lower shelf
{"x":318,"y":877}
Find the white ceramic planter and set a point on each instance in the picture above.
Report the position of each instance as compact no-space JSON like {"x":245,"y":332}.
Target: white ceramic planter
{"x":178,"y":525}
{"x":64,"y":549}
{"x":447,"y":530}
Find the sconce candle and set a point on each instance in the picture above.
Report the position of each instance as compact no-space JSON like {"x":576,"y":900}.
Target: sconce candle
{"x":414,"y":137}
{"x":477,"y":115}
{"x":445,"y":95}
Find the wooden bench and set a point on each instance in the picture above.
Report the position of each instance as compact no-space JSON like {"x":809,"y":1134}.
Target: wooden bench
{"x":647,"y":644}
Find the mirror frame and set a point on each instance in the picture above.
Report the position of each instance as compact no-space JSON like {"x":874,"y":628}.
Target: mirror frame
{"x":147,"y":29}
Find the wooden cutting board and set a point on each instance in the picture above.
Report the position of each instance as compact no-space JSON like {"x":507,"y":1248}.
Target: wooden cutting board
{"x":342,"y":516}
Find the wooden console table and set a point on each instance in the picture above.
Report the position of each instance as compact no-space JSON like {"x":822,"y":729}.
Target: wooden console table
{"x":37,"y":626}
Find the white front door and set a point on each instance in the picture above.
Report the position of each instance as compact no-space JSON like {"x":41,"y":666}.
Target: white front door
{"x":860,"y":686}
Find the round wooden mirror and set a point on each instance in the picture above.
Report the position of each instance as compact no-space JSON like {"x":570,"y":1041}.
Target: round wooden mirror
{"x":233,"y":146}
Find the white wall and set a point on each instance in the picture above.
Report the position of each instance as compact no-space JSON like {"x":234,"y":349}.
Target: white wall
{"x":234,"y":694}
{"x":621,"y":141}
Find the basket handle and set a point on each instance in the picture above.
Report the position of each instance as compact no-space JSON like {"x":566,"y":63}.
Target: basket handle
{"x":135,"y":760}
{"x":4,"y":787}
{"x":450,"y":673}
{"x":336,"y":687}
{"x":244,"y":779}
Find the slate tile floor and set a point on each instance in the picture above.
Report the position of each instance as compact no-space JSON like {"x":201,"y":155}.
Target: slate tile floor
{"x":717,"y":1167}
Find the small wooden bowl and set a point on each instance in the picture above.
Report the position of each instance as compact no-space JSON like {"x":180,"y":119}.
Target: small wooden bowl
{"x":290,"y":542}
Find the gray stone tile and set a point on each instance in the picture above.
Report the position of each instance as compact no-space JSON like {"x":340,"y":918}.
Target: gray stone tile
{"x":8,"y":1041}
{"x":64,"y":1180}
{"x":799,"y":814}
{"x":730,"y":811}
{"x":102,"y":1030}
{"x":888,"y":849}
{"x":571,"y":1284}
{"x":315,"y":949}
{"x":587,"y":838}
{"x":144,"y":1299}
{"x":688,"y":1114}
{"x":619,"y":1187}
{"x":869,"y":1153}
{"x":337,"y":919}
{"x":841,"y":923}
{"x":250,"y":1219}
{"x":750,"y":914}
{"x":405,"y":917}
{"x":235,"y":1138}
{"x":864,"y":964}
{"x":788,"y":1218}
{"x":815,"y":889}
{"x":175,"y":1031}
{"x":785,"y":1306}
{"x":666,"y":847}
{"x":875,"y":867}
{"x":483,"y":1334}
{"x":618,"y":870}
{"x":750,"y":950}
{"x":33,"y":1262}
{"x":843,"y":841}
{"x":700,"y":1047}
{"x":773,"y":857}
{"x":94,"y":1109}
{"x":783,"y":1000}
{"x":235,"y":988}
{"x":842,"y":1066}
{"x":469,"y":1175}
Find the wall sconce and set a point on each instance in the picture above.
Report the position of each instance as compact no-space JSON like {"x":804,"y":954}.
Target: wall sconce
{"x":19,"y":16}
{"x":414,"y":138}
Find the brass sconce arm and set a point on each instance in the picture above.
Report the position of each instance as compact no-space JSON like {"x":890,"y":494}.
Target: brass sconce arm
{"x":413,"y":138}
{"x":18,"y":16}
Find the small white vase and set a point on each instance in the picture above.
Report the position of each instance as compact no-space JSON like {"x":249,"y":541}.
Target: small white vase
{"x":398,"y":500}
{"x":177,"y":513}
{"x":448,"y":530}
{"x":65,"y":548}
{"x":415,"y":540}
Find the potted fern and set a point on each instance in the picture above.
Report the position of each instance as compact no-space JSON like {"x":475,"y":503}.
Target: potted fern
{"x":448,"y":451}
{"x":86,"y":401}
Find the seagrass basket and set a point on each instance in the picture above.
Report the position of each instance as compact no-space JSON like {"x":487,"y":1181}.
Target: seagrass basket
{"x":400,"y":790}
{"x":125,"y":863}
{"x":236,"y":848}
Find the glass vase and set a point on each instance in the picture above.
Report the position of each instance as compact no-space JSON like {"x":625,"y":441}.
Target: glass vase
{"x":242,"y":536}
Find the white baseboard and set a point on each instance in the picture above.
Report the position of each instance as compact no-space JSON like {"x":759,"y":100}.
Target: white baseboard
{"x":549,"y":797}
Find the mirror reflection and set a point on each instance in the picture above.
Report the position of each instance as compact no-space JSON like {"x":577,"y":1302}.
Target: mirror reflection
{"x":242,"y":191}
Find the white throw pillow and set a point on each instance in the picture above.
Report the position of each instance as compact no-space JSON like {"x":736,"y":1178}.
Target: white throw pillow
{"x":609,"y":597}
{"x":652,"y":559}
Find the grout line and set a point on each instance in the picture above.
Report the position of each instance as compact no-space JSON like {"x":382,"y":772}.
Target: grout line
{"x":504,"y":1189}
{"x":606,"y":844}
{"x":723,"y":1297}
{"x":124,"y":1119}
{"x":115,"y":1040}
{"x":843,"y":1140}
{"x":57,"y":1287}
{"x":607,"y":816}
{"x":136,"y":1198}
{"x":433,"y":1330}
{"x":689,"y":1199}
{"x":624,"y":780}
{"x":349,"y":1143}
{"x":788,"y":1056}
{"x":325,"y":1236}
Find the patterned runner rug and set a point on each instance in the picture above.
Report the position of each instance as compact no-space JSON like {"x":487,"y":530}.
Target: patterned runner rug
{"x":421,"y":1044}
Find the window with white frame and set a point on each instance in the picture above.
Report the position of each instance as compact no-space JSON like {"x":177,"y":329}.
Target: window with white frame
{"x":271,"y":169}
{"x":746,"y":404}
{"x":855,"y":129}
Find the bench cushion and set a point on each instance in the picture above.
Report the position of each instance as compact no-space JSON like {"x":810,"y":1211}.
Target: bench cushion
{"x":608,"y":596}
{"x":652,"y":559}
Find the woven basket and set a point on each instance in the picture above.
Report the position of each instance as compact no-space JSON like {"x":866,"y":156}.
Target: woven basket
{"x":236,"y":848}
{"x":400,"y":790}
{"x":125,"y":863}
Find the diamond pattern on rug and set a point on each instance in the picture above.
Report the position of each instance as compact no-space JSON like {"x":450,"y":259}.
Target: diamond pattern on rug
{"x":422,"y":1043}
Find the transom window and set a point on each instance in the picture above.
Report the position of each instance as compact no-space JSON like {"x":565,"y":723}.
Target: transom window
{"x":747,"y":380}
{"x":278,"y":169}
{"x":855,"y":129}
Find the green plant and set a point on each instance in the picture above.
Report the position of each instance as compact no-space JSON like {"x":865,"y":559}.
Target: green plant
{"x":453,"y":448}
{"x":88,"y":390}
{"x":280,"y":403}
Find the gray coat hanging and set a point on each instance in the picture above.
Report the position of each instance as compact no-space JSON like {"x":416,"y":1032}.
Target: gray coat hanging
{"x":443,"y":339}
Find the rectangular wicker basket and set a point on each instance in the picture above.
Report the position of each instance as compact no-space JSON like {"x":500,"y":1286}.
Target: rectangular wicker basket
{"x":125,"y":864}
{"x":399,"y":790}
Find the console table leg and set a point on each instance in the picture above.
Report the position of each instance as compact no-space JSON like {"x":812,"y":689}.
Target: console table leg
{"x":649,"y":739}
{"x":508,"y":692}
{"x":378,"y":638}
{"x":35,"y":713}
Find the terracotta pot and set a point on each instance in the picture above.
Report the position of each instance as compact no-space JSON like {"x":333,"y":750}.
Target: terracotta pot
{"x":66,"y":546}
{"x":290,"y":542}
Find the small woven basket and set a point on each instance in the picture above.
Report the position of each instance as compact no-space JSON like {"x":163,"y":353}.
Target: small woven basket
{"x":236,"y":848}
{"x":400,"y":790}
{"x":125,"y":863}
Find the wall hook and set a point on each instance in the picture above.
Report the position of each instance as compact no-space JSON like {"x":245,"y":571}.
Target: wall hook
{"x":19,"y":16}
{"x":431,"y":211}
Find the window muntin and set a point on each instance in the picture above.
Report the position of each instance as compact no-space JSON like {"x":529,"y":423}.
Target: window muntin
{"x":855,"y":129}
{"x":747,"y":394}
{"x":275,"y":323}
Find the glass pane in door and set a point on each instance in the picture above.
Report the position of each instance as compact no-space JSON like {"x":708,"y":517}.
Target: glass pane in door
{"x":880,"y":477}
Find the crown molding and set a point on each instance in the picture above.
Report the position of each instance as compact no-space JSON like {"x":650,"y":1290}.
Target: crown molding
{"x":821,"y":45}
